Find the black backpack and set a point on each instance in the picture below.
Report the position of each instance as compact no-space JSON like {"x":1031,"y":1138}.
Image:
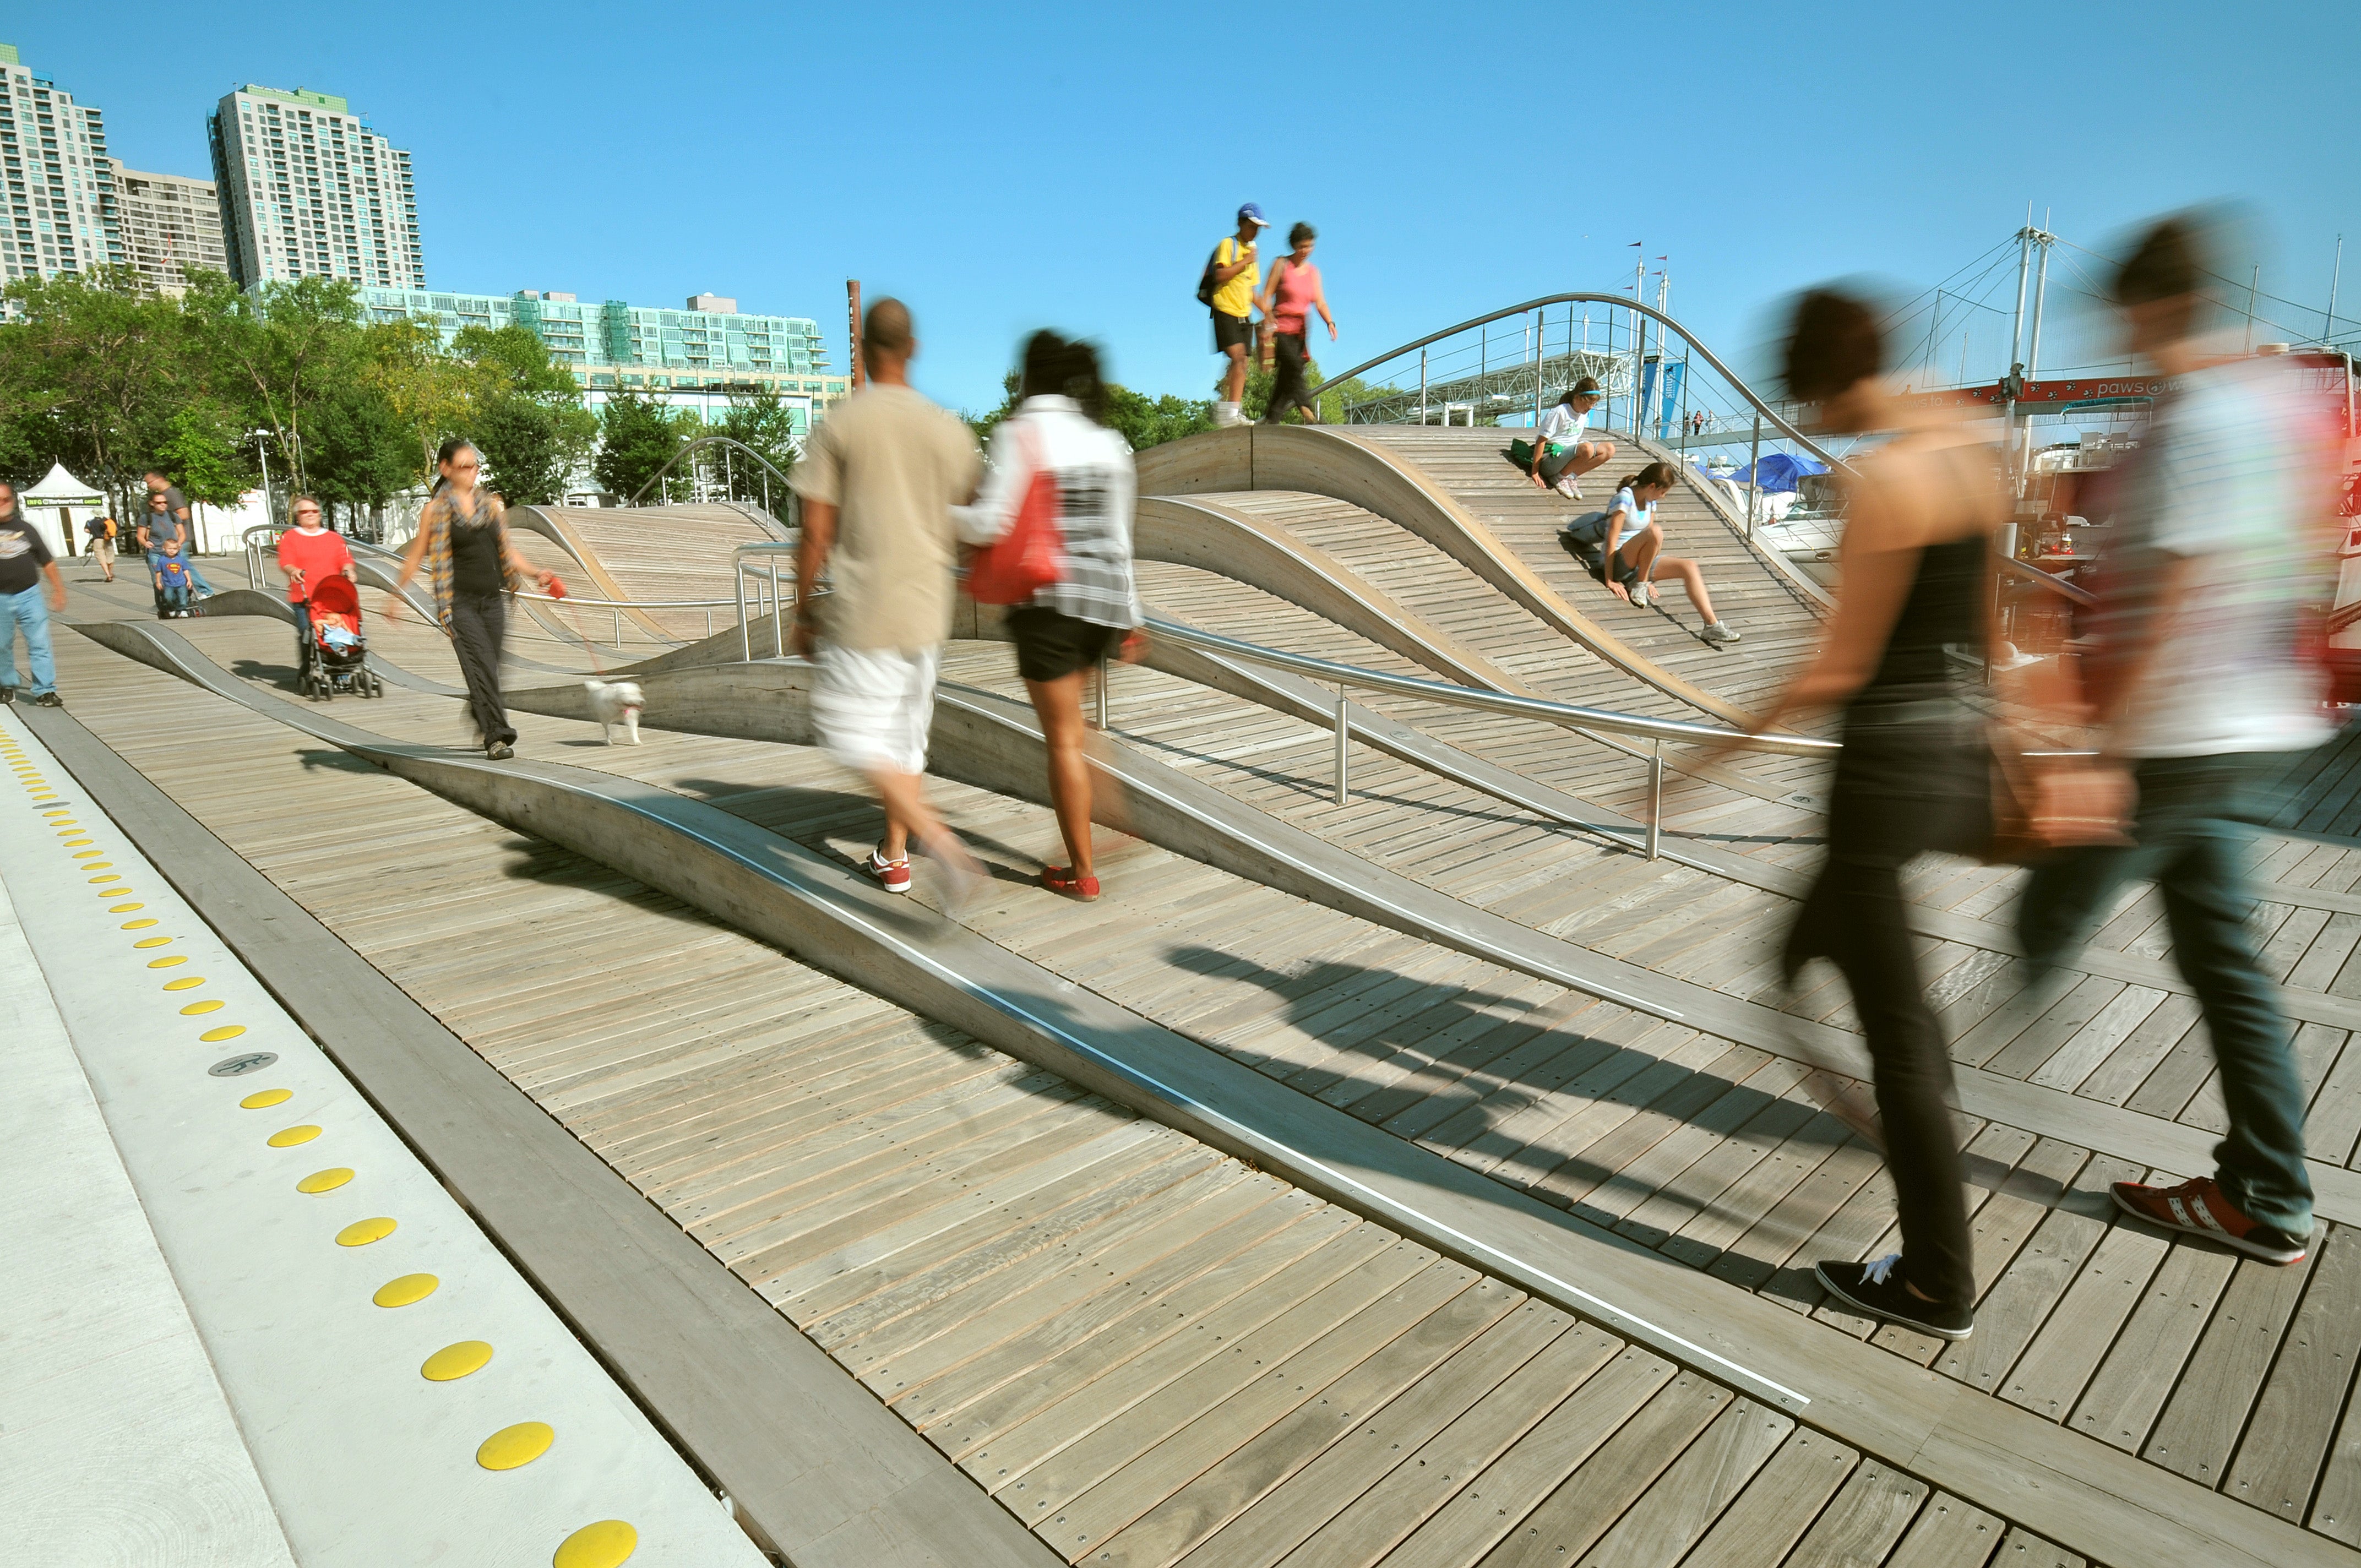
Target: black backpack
{"x":1205,"y":284}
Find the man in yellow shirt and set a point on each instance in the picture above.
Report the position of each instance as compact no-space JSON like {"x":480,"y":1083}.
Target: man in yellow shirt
{"x":1236,"y":274}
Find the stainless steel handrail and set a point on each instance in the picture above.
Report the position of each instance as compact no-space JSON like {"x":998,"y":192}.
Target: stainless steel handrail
{"x":2027,"y":572}
{"x":700,"y":444}
{"x":1596,"y":723}
{"x":1621,"y":303}
{"x":738,"y":570}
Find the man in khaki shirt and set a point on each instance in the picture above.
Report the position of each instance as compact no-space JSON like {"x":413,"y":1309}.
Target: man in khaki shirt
{"x":878,"y":480}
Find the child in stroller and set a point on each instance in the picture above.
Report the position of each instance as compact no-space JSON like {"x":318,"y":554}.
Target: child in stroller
{"x":335,"y":653}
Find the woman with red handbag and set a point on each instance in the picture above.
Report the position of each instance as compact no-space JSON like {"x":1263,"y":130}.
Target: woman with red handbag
{"x":1054,"y":523}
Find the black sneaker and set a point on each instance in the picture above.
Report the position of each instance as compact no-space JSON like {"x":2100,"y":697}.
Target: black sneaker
{"x":1876,"y":1290}
{"x":48,"y":699}
{"x":499,"y":750}
{"x":7,"y":696}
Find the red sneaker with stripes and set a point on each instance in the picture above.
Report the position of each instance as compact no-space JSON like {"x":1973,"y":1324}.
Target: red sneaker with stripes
{"x":2198,"y":1209}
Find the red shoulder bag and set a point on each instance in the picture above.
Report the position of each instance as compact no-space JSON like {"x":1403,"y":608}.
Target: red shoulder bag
{"x":1032,"y":554}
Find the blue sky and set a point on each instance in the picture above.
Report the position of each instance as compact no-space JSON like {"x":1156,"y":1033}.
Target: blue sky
{"x":1070,"y":166}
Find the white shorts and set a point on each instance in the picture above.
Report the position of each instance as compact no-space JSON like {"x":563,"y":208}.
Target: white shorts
{"x":873,"y":707}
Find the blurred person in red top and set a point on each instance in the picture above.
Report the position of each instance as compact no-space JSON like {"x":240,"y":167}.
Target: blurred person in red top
{"x":309,"y":553}
{"x":2199,"y":686}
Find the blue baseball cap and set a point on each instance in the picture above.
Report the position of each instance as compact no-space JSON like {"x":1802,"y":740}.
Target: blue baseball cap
{"x":1251,"y":213}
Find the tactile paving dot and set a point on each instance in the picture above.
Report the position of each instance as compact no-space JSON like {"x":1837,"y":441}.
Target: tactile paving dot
{"x":455,"y":1361}
{"x":326,"y":1180}
{"x":401,"y":1292}
{"x":607,"y":1544}
{"x":360,"y":1232}
{"x":226,"y":1032}
{"x":511,"y":1447}
{"x":288,"y":1137}
{"x":139,"y":925}
{"x":261,"y":1099}
{"x":194,"y":1008}
{"x":152,"y":942}
{"x":185,"y":982}
{"x":168,"y":960}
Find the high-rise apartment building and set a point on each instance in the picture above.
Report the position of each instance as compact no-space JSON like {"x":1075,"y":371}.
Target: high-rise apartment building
{"x":171,"y":226}
{"x":62,"y":214}
{"x":694,"y":358}
{"x":308,"y":189}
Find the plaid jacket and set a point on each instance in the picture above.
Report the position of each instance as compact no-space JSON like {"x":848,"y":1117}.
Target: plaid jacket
{"x":436,"y":523}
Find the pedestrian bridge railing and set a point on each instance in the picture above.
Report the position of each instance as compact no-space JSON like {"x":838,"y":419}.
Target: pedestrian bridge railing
{"x":1593,"y":723}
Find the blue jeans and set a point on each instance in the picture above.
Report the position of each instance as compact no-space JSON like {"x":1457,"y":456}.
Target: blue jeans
{"x":2196,"y":819}
{"x":30,"y":610}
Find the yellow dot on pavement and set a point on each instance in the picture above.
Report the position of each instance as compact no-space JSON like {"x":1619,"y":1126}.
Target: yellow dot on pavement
{"x":360,"y":1232}
{"x":153,"y":942}
{"x":139,"y":925}
{"x":607,"y":1544}
{"x":101,"y":866}
{"x":288,"y":1137}
{"x":226,"y":1032}
{"x":167,"y":962}
{"x":262,"y":1098}
{"x":114,"y":892}
{"x":401,"y":1292}
{"x":194,"y":1008}
{"x":326,"y":1180}
{"x":126,"y":908}
{"x":84,"y":854}
{"x":455,"y":1361}
{"x":184,"y":983}
{"x":518,"y":1445}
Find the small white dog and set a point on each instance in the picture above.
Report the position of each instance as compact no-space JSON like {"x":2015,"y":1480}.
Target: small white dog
{"x":613,"y":703}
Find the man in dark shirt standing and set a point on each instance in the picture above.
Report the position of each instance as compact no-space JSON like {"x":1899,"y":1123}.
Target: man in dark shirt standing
{"x":23,"y":562}
{"x":176,"y":507}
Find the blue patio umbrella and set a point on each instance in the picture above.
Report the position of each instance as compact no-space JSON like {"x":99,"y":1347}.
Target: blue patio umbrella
{"x":1780,"y":472}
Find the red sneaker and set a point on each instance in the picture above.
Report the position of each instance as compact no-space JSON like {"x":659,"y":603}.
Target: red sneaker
{"x":2198,"y":1209}
{"x":894,"y":876}
{"x":1061,"y":878}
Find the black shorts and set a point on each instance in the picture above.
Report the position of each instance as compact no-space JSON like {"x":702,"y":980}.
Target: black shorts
{"x":1051,"y":645}
{"x":1232,"y":332}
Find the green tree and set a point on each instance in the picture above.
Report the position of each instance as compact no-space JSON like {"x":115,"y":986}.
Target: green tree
{"x":358,"y":453}
{"x":763,"y":423}
{"x":528,"y":420}
{"x":91,"y":372}
{"x":432,"y":393}
{"x":204,"y":454}
{"x":287,"y":347}
{"x":1142,"y":420}
{"x":637,"y":436}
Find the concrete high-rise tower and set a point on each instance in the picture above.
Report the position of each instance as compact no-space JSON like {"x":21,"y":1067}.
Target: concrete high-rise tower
{"x":171,"y":226}
{"x":308,"y":189}
{"x":61,"y":216}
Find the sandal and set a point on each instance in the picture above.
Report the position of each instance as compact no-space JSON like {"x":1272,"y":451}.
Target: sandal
{"x":1061,"y":878}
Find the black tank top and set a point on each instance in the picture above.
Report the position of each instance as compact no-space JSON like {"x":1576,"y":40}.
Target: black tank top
{"x":1945,"y":606}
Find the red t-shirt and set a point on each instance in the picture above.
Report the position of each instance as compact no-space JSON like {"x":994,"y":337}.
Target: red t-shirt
{"x":317,"y":555}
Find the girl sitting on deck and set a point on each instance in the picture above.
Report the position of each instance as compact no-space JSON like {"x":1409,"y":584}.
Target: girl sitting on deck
{"x":1628,"y":536}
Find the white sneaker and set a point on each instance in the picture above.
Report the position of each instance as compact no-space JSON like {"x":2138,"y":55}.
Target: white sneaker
{"x":1567,"y":486}
{"x":1718,"y":635}
{"x":1640,"y":595}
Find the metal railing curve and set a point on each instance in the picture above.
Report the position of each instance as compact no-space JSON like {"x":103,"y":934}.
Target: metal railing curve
{"x":700,"y":445}
{"x":1777,"y":420}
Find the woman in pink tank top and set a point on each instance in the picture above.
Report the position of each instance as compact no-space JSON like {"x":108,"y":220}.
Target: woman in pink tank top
{"x":1292,"y":293}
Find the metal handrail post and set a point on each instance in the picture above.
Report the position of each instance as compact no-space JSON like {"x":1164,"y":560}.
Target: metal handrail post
{"x":745,"y":635}
{"x":615,"y":635}
{"x":1344,"y":736}
{"x":1102,"y":693}
{"x":1422,"y":386}
{"x":1655,"y":799}
{"x":1753,"y":474}
{"x":778,"y":621}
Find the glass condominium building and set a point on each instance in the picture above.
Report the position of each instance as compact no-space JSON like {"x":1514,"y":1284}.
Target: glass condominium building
{"x":62,"y":213}
{"x":695,"y":358}
{"x":308,"y":189}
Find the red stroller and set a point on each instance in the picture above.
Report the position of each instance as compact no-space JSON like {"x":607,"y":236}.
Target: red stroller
{"x":335,"y":653}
